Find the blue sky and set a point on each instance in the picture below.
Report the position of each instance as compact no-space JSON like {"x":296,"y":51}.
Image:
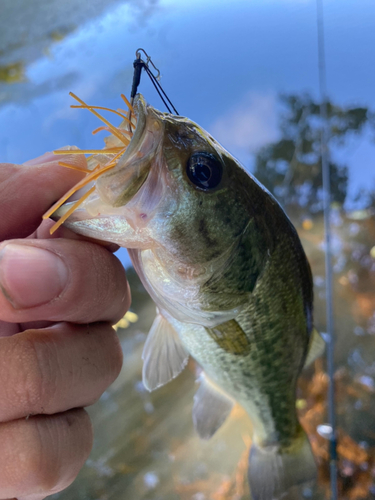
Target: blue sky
{"x":223,"y":63}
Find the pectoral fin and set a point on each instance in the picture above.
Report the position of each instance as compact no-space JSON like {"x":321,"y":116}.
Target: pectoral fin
{"x":316,"y":347}
{"x":211,"y":407}
{"x":230,"y":337}
{"x":164,"y":356}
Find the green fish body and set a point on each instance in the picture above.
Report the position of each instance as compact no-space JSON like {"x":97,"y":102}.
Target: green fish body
{"x":230,"y":279}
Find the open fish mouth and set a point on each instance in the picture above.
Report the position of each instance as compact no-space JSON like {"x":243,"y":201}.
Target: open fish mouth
{"x":140,"y":112}
{"x":120,"y":171}
{"x":119,"y":185}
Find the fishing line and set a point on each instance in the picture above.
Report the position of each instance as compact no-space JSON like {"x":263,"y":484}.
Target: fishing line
{"x":156,"y":85}
{"x":139,"y":64}
{"x":328,"y":250}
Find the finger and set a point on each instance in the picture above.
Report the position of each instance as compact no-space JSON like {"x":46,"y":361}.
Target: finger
{"x":34,"y":325}
{"x":52,"y":370}
{"x":27,"y":191}
{"x":43,"y":455}
{"x":8,"y":329}
{"x":61,"y":280}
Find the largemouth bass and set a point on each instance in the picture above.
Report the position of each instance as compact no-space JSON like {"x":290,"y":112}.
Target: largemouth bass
{"x":228,"y":274}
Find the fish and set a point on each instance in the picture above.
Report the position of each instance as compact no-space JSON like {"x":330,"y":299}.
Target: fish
{"x":227,"y":272}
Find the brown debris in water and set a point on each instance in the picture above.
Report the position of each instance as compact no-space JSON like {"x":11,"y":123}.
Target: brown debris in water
{"x":356,"y":465}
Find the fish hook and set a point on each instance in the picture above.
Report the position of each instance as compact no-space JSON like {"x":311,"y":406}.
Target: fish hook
{"x":148,"y":62}
{"x":140,"y":64}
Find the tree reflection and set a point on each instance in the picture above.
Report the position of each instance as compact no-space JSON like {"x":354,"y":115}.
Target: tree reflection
{"x":292,"y":169}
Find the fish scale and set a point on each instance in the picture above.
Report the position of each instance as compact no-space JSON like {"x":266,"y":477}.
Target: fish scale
{"x":262,"y":374}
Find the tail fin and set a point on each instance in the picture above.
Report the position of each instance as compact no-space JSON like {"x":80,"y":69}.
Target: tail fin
{"x":274,"y":470}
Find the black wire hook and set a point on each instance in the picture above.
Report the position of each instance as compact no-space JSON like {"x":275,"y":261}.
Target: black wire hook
{"x":139,"y":64}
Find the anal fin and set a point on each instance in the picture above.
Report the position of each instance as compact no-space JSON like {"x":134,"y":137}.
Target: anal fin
{"x":317,"y":346}
{"x":164,"y":356}
{"x":211,"y":408}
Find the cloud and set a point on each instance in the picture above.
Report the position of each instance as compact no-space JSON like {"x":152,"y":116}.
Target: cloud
{"x":250,"y":124}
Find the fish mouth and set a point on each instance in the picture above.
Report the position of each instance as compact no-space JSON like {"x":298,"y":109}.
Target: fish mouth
{"x":140,"y":111}
{"x":119,"y":185}
{"x":116,"y":187}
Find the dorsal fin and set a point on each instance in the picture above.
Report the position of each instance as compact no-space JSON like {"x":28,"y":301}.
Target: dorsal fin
{"x":164,"y":356}
{"x":316,"y":348}
{"x":211,"y":408}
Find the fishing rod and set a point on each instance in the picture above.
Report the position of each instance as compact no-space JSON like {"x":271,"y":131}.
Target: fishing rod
{"x":328,"y":251}
{"x":140,"y":64}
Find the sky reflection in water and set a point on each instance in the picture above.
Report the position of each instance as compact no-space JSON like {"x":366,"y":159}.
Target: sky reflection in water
{"x":223,"y":65}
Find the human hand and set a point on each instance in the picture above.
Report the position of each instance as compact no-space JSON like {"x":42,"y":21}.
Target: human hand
{"x":58,"y":353}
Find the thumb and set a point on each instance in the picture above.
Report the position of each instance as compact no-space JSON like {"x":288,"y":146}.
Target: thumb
{"x":28,"y":190}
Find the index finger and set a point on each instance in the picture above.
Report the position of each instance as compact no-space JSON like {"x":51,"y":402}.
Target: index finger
{"x":28,"y":190}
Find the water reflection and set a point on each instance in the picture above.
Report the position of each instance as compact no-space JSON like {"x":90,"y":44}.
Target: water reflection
{"x":145,"y":445}
{"x":291,"y":167}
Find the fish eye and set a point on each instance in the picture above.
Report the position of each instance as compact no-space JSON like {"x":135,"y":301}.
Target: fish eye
{"x":204,"y":170}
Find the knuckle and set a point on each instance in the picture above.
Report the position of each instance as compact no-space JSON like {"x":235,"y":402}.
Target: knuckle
{"x":43,"y":475}
{"x":43,"y":454}
{"x":28,"y":470}
{"x":61,"y":444}
{"x":33,"y":379}
{"x":104,"y":371}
